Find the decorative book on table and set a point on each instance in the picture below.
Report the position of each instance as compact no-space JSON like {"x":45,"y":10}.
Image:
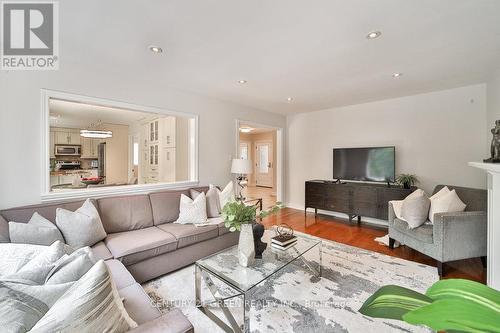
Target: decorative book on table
{"x":283,"y":240}
{"x":284,"y":247}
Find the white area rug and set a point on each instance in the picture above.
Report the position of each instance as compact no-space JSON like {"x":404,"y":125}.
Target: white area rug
{"x":295,"y":301}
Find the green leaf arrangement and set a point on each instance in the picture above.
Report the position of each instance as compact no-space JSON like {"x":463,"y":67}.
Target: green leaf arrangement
{"x":236,"y":213}
{"x":453,"y":305}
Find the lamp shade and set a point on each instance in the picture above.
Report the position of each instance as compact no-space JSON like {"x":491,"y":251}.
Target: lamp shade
{"x":240,"y":166}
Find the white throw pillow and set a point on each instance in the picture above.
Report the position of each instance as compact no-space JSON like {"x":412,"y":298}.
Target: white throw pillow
{"x":445,"y":190}
{"x":226,"y":195}
{"x":91,"y":304}
{"x":447,"y":203}
{"x":192,"y":211}
{"x":82,"y":227}
{"x":415,"y":209}
{"x":38,"y":231}
{"x":397,"y":205}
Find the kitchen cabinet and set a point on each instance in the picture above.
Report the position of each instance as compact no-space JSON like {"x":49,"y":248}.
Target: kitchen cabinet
{"x":66,"y":136}
{"x":157,"y":142}
{"x":90,"y":147}
{"x":51,"y":144}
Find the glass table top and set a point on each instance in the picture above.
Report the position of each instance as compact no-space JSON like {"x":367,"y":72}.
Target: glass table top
{"x":225,"y":266}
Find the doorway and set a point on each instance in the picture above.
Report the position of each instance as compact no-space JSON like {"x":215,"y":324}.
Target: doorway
{"x":261,"y":145}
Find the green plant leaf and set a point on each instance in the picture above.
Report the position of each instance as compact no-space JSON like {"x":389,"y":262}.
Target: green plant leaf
{"x":232,"y":229}
{"x":393,"y":302}
{"x":455,"y":314}
{"x":466,"y":290}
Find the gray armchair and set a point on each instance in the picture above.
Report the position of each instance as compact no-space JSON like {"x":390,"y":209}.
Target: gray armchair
{"x":453,"y":236}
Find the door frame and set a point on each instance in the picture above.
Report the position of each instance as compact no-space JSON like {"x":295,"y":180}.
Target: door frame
{"x":280,"y":153}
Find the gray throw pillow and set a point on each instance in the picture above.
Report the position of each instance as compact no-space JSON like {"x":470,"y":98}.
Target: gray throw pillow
{"x":213,"y":206}
{"x":36,"y":270}
{"x":415,"y":210}
{"x":92,"y":304}
{"x":71,"y":268}
{"x":38,"y":231}
{"x":82,"y":227}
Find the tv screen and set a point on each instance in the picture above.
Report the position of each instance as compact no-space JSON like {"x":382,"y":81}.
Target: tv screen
{"x":375,"y":164}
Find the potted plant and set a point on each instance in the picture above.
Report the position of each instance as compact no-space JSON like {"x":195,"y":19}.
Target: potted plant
{"x":240,"y":217}
{"x":452,"y":305}
{"x":407,"y":180}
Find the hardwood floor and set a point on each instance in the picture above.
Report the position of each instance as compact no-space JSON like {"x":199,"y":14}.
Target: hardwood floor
{"x":257,"y":192}
{"x":363,"y":235}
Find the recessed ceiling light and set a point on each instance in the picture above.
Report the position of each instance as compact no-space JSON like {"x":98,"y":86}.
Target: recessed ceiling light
{"x":155,"y":49}
{"x":373,"y":34}
{"x":246,"y":129}
{"x":289,"y":99}
{"x":396,"y":75}
{"x":242,"y":81}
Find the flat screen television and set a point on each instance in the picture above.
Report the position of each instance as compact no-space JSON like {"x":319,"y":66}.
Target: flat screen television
{"x":376,"y":164}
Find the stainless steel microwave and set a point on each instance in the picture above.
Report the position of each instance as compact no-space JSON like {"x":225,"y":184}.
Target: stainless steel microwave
{"x":67,"y":150}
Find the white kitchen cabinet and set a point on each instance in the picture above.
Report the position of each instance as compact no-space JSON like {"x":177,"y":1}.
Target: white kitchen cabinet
{"x":66,"y":136}
{"x":167,"y":169}
{"x":51,"y":144}
{"x":90,"y":148}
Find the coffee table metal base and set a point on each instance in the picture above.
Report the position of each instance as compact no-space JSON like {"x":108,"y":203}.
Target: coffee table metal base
{"x":203,"y":274}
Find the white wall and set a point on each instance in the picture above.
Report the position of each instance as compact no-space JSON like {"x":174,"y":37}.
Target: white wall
{"x":20,"y":122}
{"x":435,"y":135}
{"x":493,"y":101}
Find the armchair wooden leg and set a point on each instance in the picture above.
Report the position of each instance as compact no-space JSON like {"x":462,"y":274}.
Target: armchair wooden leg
{"x":440,"y":267}
{"x":483,"y":260}
{"x":391,"y":243}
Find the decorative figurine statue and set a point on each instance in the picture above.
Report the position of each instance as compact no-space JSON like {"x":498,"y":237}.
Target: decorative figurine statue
{"x":495,"y":144}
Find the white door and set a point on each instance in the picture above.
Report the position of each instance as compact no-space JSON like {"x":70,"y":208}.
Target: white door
{"x":264,"y":166}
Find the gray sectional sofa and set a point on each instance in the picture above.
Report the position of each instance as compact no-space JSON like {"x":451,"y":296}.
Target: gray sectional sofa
{"x":142,"y":244}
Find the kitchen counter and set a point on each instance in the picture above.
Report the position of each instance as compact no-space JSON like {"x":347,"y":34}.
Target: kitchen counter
{"x":71,"y":172}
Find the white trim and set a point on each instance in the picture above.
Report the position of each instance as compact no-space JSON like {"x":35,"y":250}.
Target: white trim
{"x":280,"y":153}
{"x":46,"y":195}
{"x":342,"y":216}
{"x":114,"y":191}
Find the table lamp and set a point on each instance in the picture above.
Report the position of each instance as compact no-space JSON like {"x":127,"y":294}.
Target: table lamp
{"x":241,"y":168}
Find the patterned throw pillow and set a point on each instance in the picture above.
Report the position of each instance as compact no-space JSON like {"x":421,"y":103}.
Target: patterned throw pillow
{"x":92,"y":304}
{"x":38,"y":231}
{"x":82,"y":227}
{"x":447,"y":203}
{"x":192,"y":211}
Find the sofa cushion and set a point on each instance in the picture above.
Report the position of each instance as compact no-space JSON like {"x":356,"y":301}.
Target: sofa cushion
{"x":165,"y":205}
{"x":174,"y":321}
{"x":133,"y":246}
{"x":126,"y":213}
{"x":101,"y":251}
{"x":138,"y":304}
{"x":4,"y":231}
{"x":24,"y":214}
{"x":422,"y":233}
{"x":187,"y":234}
{"x":121,"y":276}
{"x":219,"y":222}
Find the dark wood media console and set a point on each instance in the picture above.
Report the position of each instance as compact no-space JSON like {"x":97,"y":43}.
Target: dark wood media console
{"x":353,"y":199}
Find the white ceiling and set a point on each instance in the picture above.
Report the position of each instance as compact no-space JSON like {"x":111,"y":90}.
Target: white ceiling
{"x":78,"y":115}
{"x":313,"y":51}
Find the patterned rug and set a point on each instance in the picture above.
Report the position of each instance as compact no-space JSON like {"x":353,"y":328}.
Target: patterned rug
{"x":295,"y":301}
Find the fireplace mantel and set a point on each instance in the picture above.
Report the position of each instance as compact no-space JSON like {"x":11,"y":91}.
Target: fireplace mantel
{"x":493,"y":266}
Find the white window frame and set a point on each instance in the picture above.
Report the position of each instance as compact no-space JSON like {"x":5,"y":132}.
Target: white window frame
{"x":48,"y":196}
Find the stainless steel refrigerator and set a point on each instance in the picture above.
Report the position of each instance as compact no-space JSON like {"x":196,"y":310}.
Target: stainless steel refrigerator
{"x":101,"y":157}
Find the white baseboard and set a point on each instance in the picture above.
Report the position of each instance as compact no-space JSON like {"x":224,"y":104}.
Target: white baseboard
{"x":342,"y":215}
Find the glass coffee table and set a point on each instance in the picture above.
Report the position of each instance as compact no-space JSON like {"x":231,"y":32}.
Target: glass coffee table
{"x":236,"y":281}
